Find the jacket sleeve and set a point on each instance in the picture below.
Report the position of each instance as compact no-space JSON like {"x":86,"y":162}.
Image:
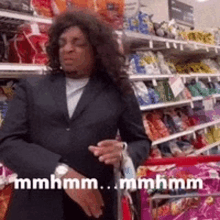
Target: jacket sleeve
{"x":132,"y":131}
{"x":16,"y":151}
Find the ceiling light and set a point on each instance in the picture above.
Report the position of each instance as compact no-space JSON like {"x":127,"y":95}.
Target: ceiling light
{"x":202,"y":0}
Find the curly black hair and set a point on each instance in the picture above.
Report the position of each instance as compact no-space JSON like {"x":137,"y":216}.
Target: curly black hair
{"x":108,"y":58}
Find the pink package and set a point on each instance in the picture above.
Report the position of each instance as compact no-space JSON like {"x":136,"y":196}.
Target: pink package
{"x":194,"y":208}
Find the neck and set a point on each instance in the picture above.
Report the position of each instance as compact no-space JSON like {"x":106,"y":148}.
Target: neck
{"x":80,"y":74}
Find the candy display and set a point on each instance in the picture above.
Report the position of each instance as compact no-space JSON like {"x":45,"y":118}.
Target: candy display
{"x":188,"y":207}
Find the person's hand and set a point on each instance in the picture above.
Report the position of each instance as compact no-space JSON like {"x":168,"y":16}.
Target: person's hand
{"x":89,"y":199}
{"x":108,"y":151}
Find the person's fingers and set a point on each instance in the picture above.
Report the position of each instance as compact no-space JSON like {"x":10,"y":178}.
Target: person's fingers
{"x":106,"y":143}
{"x":99,"y":198}
{"x":94,"y":205}
{"x":105,"y":157}
{"x":113,"y":161}
{"x":98,"y":151}
{"x":85,"y":208}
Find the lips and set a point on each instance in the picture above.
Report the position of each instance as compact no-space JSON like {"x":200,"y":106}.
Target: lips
{"x":68,"y":59}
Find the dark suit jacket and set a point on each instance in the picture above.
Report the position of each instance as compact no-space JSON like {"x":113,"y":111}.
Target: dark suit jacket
{"x":38,"y":133}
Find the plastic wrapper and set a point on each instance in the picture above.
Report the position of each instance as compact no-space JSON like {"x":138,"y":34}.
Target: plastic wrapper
{"x":5,"y":196}
{"x":136,"y":64}
{"x":141,"y":93}
{"x":164,"y":68}
{"x":154,"y":96}
{"x":44,"y":7}
{"x":143,"y":23}
{"x":150,"y":129}
{"x":191,"y":208}
{"x":150,"y":63}
{"x":29,"y":46}
{"x":156,"y":120}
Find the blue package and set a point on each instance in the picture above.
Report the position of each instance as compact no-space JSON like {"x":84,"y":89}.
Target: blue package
{"x":142,"y":94}
{"x":143,"y":23}
{"x":140,"y":69}
{"x":3,"y":108}
{"x":155,"y":98}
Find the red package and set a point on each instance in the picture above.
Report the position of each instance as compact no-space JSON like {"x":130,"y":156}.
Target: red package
{"x":43,"y":7}
{"x":150,"y":129}
{"x":5,"y":196}
{"x":200,"y":141}
{"x":29,"y":46}
{"x":160,"y":127}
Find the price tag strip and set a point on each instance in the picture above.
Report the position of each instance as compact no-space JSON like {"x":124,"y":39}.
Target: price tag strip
{"x":207,"y":49}
{"x":151,"y":45}
{"x":154,"y":81}
{"x":174,"y":45}
{"x":181,"y":46}
{"x":195,"y":46}
{"x":167,"y":45}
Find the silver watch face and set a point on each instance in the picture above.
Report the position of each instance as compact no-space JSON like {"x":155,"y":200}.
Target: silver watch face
{"x":61,"y":170}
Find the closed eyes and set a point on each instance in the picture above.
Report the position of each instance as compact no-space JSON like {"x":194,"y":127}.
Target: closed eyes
{"x":74,"y":42}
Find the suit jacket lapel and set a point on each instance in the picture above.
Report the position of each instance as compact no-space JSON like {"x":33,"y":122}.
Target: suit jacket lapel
{"x":57,"y":87}
{"x":92,"y":89}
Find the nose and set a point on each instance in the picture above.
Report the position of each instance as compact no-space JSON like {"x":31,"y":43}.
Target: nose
{"x":69,"y":47}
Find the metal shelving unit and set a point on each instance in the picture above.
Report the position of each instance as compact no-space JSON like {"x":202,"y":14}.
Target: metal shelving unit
{"x":138,"y":41}
{"x":187,"y":132}
{"x":8,"y":16}
{"x":9,"y":70}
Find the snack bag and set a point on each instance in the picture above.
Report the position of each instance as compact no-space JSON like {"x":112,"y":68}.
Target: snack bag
{"x":43,"y":7}
{"x":136,"y":63}
{"x":143,"y":23}
{"x":29,"y":46}
{"x":141,"y":93}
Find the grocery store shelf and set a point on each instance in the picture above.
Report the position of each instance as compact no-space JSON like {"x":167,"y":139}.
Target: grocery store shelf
{"x":216,"y":96}
{"x":186,"y":50}
{"x":165,"y":105}
{"x":4,"y":14}
{"x":171,"y":137}
{"x":205,"y":125}
{"x":145,"y":77}
{"x":11,"y":70}
{"x":133,"y":35}
{"x":139,"y":36}
{"x":198,"y":98}
{"x":204,"y":75}
{"x":189,"y":131}
{"x":209,"y":147}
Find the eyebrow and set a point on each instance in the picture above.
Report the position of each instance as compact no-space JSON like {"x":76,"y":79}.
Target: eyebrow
{"x":74,"y":38}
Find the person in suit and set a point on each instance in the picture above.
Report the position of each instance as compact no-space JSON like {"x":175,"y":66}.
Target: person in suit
{"x":65,"y":123}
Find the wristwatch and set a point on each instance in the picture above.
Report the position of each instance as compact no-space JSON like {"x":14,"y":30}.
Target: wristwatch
{"x":61,"y":170}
